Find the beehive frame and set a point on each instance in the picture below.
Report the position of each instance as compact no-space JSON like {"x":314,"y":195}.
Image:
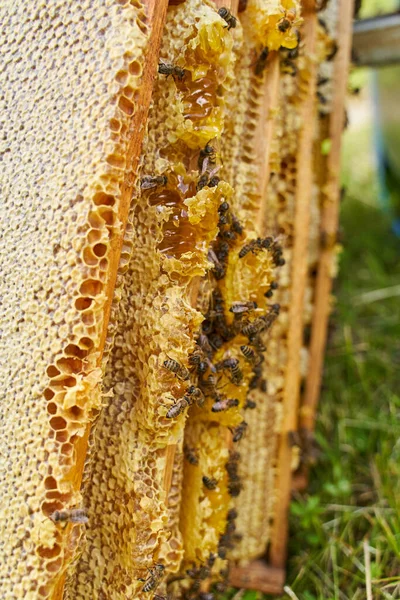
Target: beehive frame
{"x":266,"y":576}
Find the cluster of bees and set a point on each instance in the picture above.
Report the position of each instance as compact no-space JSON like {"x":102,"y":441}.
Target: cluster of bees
{"x":204,"y":373}
{"x":288,"y":21}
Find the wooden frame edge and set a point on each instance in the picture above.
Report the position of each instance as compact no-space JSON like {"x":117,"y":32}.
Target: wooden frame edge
{"x":258,"y":575}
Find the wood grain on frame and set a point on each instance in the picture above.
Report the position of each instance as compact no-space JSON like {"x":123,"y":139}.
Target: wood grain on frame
{"x":329,"y":219}
{"x":299,"y":266}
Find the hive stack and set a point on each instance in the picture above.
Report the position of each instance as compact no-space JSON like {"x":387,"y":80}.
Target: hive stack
{"x":146,"y":343}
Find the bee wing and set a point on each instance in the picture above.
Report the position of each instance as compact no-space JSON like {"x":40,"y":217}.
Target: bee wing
{"x":147,"y":185}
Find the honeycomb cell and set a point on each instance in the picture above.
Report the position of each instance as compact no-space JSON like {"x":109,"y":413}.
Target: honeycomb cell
{"x":91,"y":287}
{"x":82,"y":304}
{"x":52,"y":371}
{"x":50,"y":483}
{"x":58,"y":423}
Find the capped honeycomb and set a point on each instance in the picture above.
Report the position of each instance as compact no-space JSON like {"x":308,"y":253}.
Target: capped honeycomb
{"x":69,"y":76}
{"x":152,"y":343}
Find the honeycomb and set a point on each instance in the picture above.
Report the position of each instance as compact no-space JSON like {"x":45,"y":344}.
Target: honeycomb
{"x":149,"y":396}
{"x":69,"y":76}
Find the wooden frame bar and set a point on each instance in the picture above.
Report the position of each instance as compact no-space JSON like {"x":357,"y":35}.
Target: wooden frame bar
{"x":258,"y":576}
{"x":329,"y":220}
{"x":291,"y":391}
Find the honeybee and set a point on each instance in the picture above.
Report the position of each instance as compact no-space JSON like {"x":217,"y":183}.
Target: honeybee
{"x":263,"y":385}
{"x":232,"y":365}
{"x":225,"y":14}
{"x":147,"y":182}
{"x":256,"y":245}
{"x":250,"y":329}
{"x":288,"y":20}
{"x":333,"y":52}
{"x":222,"y":405}
{"x":216,"y":341}
{"x":232,"y":465}
{"x":254,"y":382}
{"x":230,"y":528}
{"x":190,"y":455}
{"x":223,"y":207}
{"x":239,"y":431}
{"x":273,"y":313}
{"x":322,"y":81}
{"x":208,"y":180}
{"x":203,"y":572}
{"x":214,"y":181}
{"x":207,"y":156}
{"x":153,"y":579}
{"x":209,"y":482}
{"x":256,"y":341}
{"x":177,"y":369}
{"x":192,"y":572}
{"x":72,"y":515}
{"x":272,"y":288}
{"x":249,"y":354}
{"x":223,"y":216}
{"x":170,"y":69}
{"x":211,"y":560}
{"x":218,"y":270}
{"x":236,"y":226}
{"x":204,"y":343}
{"x":262,"y":61}
{"x":238,"y":308}
{"x":234,"y":488}
{"x":196,"y":357}
{"x":249,"y":247}
{"x":224,"y":544}
{"x":250,"y":404}
{"x":195,"y":394}
{"x":209,"y":386}
{"x":178,"y":407}
{"x":229,"y":236}
{"x":232,"y":514}
{"x":222,"y":251}
{"x":284,"y":24}
{"x":199,"y":361}
{"x":202,"y":182}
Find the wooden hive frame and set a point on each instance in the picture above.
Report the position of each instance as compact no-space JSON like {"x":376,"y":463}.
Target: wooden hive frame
{"x":268,"y":575}
{"x":330,"y":207}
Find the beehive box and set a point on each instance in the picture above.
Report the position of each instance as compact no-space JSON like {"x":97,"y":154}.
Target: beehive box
{"x":162,"y":181}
